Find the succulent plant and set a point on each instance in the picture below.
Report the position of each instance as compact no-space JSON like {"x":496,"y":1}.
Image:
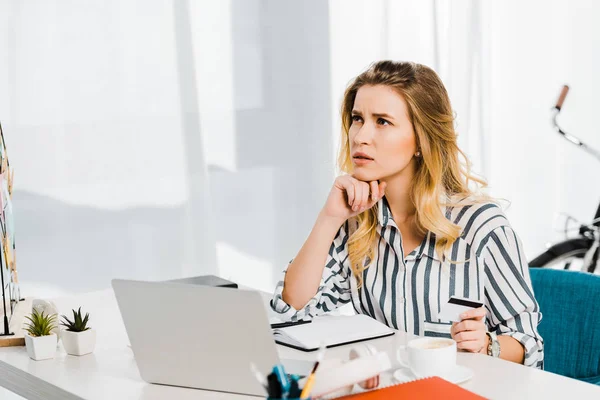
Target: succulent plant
{"x":78,"y":324}
{"x":40,"y":324}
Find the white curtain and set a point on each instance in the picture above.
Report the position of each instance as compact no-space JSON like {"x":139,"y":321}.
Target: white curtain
{"x":503,"y":64}
{"x":158,"y":139}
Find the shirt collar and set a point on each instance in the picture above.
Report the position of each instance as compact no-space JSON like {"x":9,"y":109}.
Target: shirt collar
{"x":426,"y":248}
{"x":384,"y":214}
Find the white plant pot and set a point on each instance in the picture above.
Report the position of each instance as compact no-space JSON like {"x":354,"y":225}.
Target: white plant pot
{"x":41,"y":347}
{"x":78,"y":343}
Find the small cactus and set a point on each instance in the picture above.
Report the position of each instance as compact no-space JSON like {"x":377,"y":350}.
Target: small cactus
{"x":78,"y":324}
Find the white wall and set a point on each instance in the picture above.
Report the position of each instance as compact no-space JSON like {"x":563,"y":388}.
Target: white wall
{"x":536,"y":47}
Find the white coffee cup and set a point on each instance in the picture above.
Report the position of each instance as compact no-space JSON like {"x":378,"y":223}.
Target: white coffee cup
{"x":429,"y":356}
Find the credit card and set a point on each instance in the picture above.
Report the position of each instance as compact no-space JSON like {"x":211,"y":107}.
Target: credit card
{"x":455,"y":306}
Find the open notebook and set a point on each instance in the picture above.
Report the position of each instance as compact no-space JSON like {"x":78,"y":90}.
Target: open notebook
{"x":331,"y":330}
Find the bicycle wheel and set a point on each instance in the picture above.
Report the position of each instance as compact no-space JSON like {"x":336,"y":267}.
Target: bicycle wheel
{"x":562,"y":253}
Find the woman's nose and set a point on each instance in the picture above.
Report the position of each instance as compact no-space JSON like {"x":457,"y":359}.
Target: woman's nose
{"x":364,"y":135}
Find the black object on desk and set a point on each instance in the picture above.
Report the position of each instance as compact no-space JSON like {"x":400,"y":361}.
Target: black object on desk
{"x":274,"y":389}
{"x":294,"y":390}
{"x":207,"y":280}
{"x":286,"y":324}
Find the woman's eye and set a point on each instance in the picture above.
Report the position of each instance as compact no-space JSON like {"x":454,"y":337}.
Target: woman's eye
{"x":382,"y":121}
{"x":356,"y":118}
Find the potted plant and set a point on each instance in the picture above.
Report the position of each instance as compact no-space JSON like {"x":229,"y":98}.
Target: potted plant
{"x":40,"y":341}
{"x":78,"y":338}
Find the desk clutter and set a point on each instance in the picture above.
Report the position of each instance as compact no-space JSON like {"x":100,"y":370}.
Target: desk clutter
{"x":336,"y":379}
{"x":279,"y":385}
{"x":332,"y":377}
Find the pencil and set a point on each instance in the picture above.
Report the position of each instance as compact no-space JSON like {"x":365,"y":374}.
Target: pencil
{"x":311,"y":378}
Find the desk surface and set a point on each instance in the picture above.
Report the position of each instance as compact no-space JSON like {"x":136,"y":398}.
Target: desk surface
{"x":111,"y":372}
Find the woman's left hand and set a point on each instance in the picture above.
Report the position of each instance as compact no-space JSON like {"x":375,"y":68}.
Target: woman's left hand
{"x":470,"y":333}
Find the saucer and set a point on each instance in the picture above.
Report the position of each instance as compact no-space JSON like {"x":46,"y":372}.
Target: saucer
{"x":458,"y":375}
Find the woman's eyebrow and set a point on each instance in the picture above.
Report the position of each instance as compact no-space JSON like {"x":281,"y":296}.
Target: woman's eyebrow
{"x":383,"y":115}
{"x":376,"y":115}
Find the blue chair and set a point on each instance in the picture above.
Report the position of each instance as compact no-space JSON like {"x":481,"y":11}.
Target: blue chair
{"x":570,"y":306}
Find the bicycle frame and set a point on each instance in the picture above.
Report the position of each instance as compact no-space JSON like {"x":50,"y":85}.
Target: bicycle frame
{"x":573,"y":139}
{"x":591,"y":231}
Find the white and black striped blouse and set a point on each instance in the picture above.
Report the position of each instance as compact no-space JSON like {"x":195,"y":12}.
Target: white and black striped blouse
{"x":406,"y":291}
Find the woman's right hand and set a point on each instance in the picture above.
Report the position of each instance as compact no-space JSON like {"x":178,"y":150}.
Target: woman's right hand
{"x":349,"y":197}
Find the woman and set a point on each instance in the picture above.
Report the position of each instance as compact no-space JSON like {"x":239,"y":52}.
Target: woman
{"x":407,"y":227}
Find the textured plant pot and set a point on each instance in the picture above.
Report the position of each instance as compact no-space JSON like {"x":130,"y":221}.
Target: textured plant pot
{"x":40,"y":348}
{"x":78,"y":343}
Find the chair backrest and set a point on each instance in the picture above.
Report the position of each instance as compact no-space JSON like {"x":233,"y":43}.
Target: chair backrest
{"x":570,"y":326}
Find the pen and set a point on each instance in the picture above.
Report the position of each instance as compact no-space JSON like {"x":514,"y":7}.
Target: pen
{"x":282,"y":378}
{"x":311,"y":378}
{"x":286,"y":324}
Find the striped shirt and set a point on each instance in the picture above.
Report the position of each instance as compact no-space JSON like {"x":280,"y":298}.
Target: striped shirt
{"x":406,"y":292}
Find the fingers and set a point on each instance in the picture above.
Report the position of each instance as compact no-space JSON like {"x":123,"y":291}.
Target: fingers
{"x":467,"y":335}
{"x":476,"y":313}
{"x":357,"y":195}
{"x":468,"y":325}
{"x":374,"y":191}
{"x":366,"y":196}
{"x":382,"y":187}
{"x":473,"y":346}
{"x":361,"y":195}
{"x":348,"y":186}
{"x":377,"y":192}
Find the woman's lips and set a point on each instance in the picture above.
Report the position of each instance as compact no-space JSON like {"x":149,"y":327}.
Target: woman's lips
{"x":361,"y":161}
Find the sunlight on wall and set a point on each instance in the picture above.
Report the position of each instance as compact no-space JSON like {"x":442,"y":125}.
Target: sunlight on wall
{"x":244,"y":269}
{"x":213,"y":56}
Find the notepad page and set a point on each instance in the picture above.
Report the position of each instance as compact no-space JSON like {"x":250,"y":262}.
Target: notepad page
{"x":333,"y":330}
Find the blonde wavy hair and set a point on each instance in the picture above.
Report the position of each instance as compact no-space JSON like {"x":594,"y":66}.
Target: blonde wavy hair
{"x":443,"y":174}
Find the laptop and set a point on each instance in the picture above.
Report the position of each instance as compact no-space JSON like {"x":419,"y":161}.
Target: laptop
{"x":207,"y":280}
{"x":199,"y":336}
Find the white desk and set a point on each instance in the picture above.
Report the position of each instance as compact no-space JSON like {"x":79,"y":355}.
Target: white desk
{"x":111,"y":373}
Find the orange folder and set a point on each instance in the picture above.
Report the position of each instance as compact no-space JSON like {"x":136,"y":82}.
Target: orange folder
{"x":427,"y":388}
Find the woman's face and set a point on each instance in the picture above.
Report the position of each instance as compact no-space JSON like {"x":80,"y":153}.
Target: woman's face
{"x":382,"y":139}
